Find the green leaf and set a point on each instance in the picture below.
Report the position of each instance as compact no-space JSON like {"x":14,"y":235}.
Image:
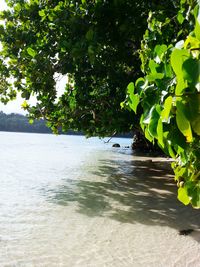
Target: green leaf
{"x":160,"y":132}
{"x":42,"y":13}
{"x":147,"y":135}
{"x":25,"y":105}
{"x":182,"y":122}
{"x":183,"y":196}
{"x":155,"y":76}
{"x":17,"y":7}
{"x":197,"y":24}
{"x":140,"y":84}
{"x":130,"y":88}
{"x":31,"y":52}
{"x":167,"y":108}
{"x":191,"y":70}
{"x":159,"y":52}
{"x":193,"y":189}
{"x":180,"y":87}
{"x":153,"y":124}
{"x":180,"y":17}
{"x":153,"y":65}
{"x":194,"y":106}
{"x":89,"y":35}
{"x":178,"y":56}
{"x":134,"y":99}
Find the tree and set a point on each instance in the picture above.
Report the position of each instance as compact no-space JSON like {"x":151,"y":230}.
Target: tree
{"x":94,"y":43}
{"x":169,"y":93}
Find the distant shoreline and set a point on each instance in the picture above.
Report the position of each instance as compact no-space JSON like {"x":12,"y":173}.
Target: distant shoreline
{"x":73,"y":134}
{"x":20,"y":124}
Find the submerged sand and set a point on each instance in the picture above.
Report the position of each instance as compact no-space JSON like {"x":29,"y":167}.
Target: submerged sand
{"x":120,"y":210}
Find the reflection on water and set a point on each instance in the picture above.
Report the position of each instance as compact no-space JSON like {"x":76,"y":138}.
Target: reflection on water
{"x":66,"y":201}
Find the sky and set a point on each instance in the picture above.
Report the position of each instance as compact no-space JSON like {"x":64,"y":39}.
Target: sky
{"x":15,"y":105}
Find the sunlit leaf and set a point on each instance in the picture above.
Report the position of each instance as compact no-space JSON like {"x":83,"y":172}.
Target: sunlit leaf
{"x":182,"y":121}
{"x":31,"y":52}
{"x":183,"y":196}
{"x":178,"y":56}
{"x":160,"y":132}
{"x":167,"y":108}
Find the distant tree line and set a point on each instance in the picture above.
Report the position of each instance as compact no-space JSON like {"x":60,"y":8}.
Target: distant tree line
{"x":19,"y":123}
{"x":15,"y":122}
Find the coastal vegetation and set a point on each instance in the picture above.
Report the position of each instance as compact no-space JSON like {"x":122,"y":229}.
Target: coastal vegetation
{"x":19,"y":123}
{"x":102,"y":48}
{"x":169,"y":93}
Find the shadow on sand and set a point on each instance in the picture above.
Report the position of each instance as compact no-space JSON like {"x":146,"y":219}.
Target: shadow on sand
{"x":136,"y":191}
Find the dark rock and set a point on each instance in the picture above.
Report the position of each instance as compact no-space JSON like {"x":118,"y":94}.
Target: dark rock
{"x":116,"y":145}
{"x":186,"y":231}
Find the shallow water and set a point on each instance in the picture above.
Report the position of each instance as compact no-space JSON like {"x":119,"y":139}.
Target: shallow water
{"x":68,"y":201}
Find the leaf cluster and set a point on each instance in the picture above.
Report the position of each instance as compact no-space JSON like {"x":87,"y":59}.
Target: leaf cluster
{"x":94,"y":44}
{"x":169,"y":93}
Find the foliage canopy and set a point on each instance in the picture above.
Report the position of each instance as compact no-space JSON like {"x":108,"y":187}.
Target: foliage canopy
{"x":94,"y":43}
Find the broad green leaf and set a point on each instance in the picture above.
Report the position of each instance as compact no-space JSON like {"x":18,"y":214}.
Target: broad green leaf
{"x":140,"y":84}
{"x":160,"y":132}
{"x":193,"y":189}
{"x":42,"y":13}
{"x":182,"y":121}
{"x":168,"y":145}
{"x":159,"y":51}
{"x":135,"y":100}
{"x":155,"y":76}
{"x":167,"y":107}
{"x":181,"y":86}
{"x":168,"y":70}
{"x":192,"y":42}
{"x":148,"y":115}
{"x":177,"y":139}
{"x":153,"y":124}
{"x":130,"y":88}
{"x":180,"y":17}
{"x":183,"y":196}
{"x":31,"y":52}
{"x":191,"y":70}
{"x":153,"y":65}
{"x":194,"y":106}
{"x":178,"y":56}
{"x":197,"y":30}
{"x":171,"y":151}
{"x":147,"y":135}
{"x":197,"y":26}
{"x":17,"y":7}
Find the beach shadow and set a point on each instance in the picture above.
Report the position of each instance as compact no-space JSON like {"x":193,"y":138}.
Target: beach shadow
{"x":132,"y":191}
